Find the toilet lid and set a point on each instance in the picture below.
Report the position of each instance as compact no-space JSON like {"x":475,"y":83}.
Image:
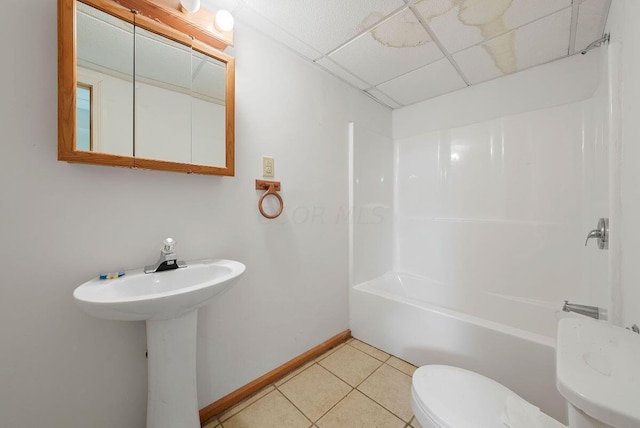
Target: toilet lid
{"x":457,"y":398}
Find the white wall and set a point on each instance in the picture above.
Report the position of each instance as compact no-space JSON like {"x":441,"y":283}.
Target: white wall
{"x":625,"y":64}
{"x":498,"y":185}
{"x":62,"y":224}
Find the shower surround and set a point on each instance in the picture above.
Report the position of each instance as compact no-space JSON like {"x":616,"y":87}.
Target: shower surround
{"x":475,"y":216}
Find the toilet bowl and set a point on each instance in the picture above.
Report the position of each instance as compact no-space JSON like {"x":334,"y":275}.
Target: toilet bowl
{"x":451,"y":397}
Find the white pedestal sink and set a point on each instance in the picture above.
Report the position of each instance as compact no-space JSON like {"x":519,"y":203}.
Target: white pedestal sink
{"x":598,"y":372}
{"x":168,"y":301}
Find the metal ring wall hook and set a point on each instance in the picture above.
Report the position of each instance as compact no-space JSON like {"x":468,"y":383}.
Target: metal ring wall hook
{"x":272,"y":188}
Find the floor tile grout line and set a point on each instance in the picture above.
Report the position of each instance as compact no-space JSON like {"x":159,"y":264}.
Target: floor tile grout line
{"x":372,"y":399}
{"x":334,"y":374}
{"x":229,"y":409}
{"x":400,"y":359}
{"x":384,"y":361}
{"x":248,"y":405}
{"x":296,"y":375}
{"x":370,"y":374}
{"x":363,"y":380}
{"x":352,"y":388}
{"x":393,"y":413}
{"x":307,"y":416}
{"x":296,"y":407}
{"x":397,"y":369}
{"x":344,"y":380}
{"x":332,"y":407}
{"x":330,"y":352}
{"x":289,"y":400}
{"x":356,"y":387}
{"x":366,"y":353}
{"x":315,"y":361}
{"x":325,"y":355}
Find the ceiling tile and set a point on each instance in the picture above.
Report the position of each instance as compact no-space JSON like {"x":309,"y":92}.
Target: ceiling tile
{"x":532,"y":44}
{"x":395,"y":47}
{"x":442,"y":18}
{"x":460,"y":24}
{"x":383,"y":98}
{"x":523,"y":12}
{"x":396,"y":61}
{"x":592,"y":16}
{"x":426,"y":82}
{"x":342,"y":73}
{"x":543,"y":40}
{"x":477,"y":64}
{"x":326,"y":24}
{"x":251,"y":18}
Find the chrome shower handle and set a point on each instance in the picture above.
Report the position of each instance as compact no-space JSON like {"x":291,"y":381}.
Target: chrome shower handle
{"x":601,"y":232}
{"x":595,"y":233}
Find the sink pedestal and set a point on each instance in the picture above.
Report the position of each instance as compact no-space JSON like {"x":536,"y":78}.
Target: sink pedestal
{"x":172,"y":394}
{"x":168,"y":301}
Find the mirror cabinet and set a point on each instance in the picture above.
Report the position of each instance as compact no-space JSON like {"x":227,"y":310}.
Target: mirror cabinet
{"x":134,"y":92}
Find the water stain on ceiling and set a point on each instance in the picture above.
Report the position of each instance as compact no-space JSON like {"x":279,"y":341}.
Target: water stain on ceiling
{"x":402,"y":31}
{"x":487,"y":17}
{"x":405,"y":51}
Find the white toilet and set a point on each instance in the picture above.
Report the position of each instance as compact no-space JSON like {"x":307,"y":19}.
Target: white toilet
{"x":451,"y":397}
{"x":597,"y":371}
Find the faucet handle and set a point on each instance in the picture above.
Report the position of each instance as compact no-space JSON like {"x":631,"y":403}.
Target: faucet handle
{"x":595,"y":233}
{"x":601,"y":232}
{"x":169,"y":246}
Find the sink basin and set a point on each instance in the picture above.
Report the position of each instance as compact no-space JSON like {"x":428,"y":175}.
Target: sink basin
{"x":598,"y":370}
{"x":137,"y":296}
{"x":168,"y":302}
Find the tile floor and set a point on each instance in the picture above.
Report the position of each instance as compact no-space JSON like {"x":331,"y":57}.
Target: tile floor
{"x":352,"y":385}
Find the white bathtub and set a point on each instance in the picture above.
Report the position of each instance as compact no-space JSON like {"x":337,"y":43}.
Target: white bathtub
{"x":509,"y":340}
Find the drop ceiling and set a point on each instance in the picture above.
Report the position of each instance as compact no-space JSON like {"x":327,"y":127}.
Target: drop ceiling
{"x":405,"y":51}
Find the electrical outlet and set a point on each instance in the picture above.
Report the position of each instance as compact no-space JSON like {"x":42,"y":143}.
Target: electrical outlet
{"x":268,"y":168}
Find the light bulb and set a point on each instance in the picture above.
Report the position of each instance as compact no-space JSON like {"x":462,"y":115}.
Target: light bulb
{"x":224,"y":20}
{"x":190,"y":6}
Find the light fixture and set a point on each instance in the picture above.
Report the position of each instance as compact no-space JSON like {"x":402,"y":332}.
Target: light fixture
{"x":191,"y":6}
{"x":224,"y":20}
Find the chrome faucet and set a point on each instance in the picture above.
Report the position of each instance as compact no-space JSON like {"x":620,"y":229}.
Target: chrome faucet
{"x":589,"y":311}
{"x":168,"y":259}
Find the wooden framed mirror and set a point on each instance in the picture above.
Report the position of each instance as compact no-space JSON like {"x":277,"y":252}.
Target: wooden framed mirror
{"x":133,"y":92}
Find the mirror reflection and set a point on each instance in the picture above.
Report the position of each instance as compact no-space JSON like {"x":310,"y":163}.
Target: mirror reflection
{"x":143,"y":95}
{"x":163,"y":98}
{"x":208,"y":110}
{"x":104,"y":100}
